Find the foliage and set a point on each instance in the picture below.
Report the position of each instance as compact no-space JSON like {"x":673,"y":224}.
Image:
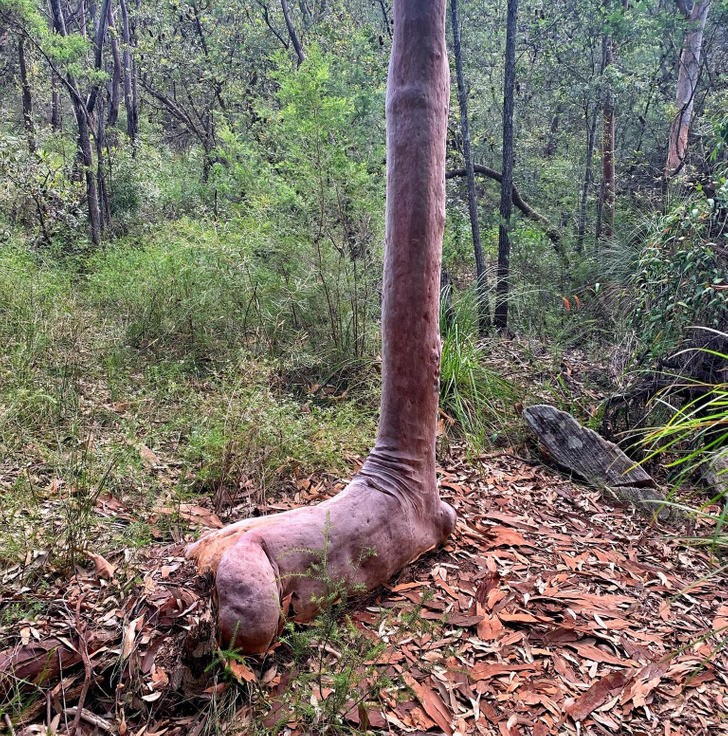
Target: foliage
{"x":475,"y":399}
{"x":679,"y":277}
{"x":38,"y":193}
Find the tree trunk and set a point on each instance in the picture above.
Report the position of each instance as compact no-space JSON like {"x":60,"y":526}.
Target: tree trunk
{"x":115,"y":82}
{"x":552,"y":140}
{"x":83,"y":123}
{"x":687,"y":82}
{"x":506,"y":200}
{"x":601,"y":463}
{"x":292,"y":33}
{"x":128,"y":74}
{"x":481,"y":275}
{"x":27,"y":97}
{"x":607,"y":193}
{"x":56,"y":119}
{"x":390,"y":513}
{"x":86,"y":155}
{"x":101,"y":187}
{"x":591,"y":139}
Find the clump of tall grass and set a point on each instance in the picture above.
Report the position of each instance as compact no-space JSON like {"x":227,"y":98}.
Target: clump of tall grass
{"x":477,"y":400}
{"x":694,"y":439}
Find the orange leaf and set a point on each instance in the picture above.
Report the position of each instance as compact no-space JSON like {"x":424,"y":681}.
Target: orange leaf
{"x":431,"y":702}
{"x":241,"y":671}
{"x":596,"y":695}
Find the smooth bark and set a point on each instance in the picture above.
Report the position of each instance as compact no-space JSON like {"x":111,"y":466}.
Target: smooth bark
{"x":506,"y":200}
{"x":608,"y":191}
{"x":687,"y":82}
{"x":292,"y":33}
{"x":481,"y":276}
{"x":390,"y":513}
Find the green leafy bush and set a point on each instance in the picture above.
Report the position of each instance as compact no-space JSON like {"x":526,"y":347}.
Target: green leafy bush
{"x":679,"y":277}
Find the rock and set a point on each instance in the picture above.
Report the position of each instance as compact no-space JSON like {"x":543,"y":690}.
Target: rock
{"x":596,"y":461}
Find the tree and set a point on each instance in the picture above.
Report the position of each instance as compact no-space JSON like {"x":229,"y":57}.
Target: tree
{"x":608,"y":191}
{"x":687,"y":82}
{"x":506,"y":201}
{"x":27,"y":96}
{"x":481,"y":275}
{"x":390,"y":513}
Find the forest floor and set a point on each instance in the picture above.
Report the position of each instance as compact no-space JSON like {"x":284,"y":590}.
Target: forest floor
{"x":549,"y":611}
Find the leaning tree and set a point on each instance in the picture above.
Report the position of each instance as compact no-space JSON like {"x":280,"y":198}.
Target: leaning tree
{"x":391,"y":512}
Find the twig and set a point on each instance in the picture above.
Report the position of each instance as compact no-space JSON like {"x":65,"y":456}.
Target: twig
{"x":9,"y":724}
{"x":87,"y":671}
{"x":82,"y":714}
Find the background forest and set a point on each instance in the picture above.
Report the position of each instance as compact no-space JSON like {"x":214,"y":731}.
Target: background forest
{"x":191,"y":240}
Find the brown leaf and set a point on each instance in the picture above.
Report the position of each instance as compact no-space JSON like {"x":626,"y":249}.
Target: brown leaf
{"x":104,"y":569}
{"x":485,"y":671}
{"x":720,"y":622}
{"x":595,"y":654}
{"x":505,"y":537}
{"x":431,"y":702}
{"x":596,"y":695}
{"x":241,"y":671}
{"x":149,"y":458}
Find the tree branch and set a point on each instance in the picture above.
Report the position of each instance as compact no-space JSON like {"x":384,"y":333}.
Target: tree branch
{"x":552,"y":233}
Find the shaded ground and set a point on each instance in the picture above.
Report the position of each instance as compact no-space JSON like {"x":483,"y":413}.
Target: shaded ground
{"x":548,"y":612}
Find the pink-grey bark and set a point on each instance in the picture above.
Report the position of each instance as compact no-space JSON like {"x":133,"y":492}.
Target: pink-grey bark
{"x":687,"y":82}
{"x":390,"y":513}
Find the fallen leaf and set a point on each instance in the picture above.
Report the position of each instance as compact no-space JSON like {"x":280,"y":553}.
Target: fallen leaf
{"x":598,"y":694}
{"x":431,"y":702}
{"x":104,"y":568}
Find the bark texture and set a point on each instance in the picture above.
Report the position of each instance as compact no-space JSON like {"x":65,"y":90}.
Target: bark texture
{"x":595,"y":460}
{"x":506,"y":200}
{"x":687,"y":82}
{"x":390,"y":513}
{"x":480,"y":272}
{"x":608,"y":191}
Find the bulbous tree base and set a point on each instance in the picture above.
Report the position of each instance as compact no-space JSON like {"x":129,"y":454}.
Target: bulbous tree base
{"x":276,"y":567}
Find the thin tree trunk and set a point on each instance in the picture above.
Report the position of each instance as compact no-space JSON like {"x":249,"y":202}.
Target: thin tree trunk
{"x":552,"y":141}
{"x":27,"y":96}
{"x":115,"y":82}
{"x":481,"y":274}
{"x":103,"y":195}
{"x":292,"y":33}
{"x":86,"y":155}
{"x":607,"y":193}
{"x":56,"y":115}
{"x":128,"y":73}
{"x":506,"y":201}
{"x":591,"y":139}
{"x":687,"y":82}
{"x":84,"y":134}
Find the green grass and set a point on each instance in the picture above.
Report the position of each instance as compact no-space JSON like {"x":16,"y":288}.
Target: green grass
{"x":477,"y":398}
{"x":144,"y":347}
